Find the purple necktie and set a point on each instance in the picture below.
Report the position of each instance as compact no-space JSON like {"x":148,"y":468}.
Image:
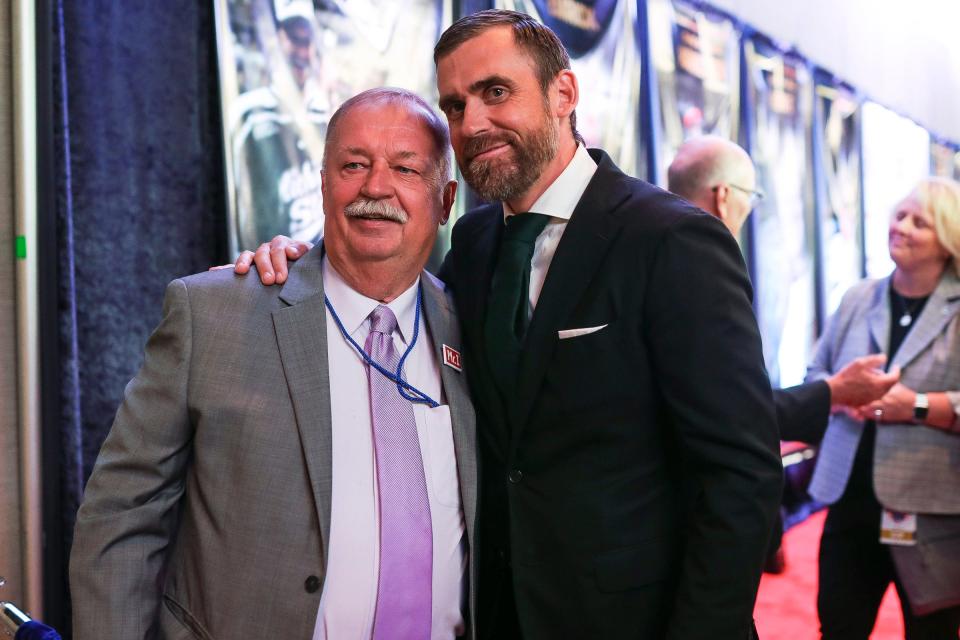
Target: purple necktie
{"x":404,"y":587}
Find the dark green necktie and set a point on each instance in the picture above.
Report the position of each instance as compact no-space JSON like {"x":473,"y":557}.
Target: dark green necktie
{"x":506,"y":320}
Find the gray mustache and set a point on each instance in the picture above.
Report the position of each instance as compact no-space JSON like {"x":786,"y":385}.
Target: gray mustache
{"x":375,"y":210}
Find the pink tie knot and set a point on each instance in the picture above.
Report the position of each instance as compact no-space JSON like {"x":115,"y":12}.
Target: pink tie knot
{"x":382,"y":320}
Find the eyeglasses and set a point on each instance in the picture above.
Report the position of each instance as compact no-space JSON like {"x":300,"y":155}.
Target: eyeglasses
{"x":755,"y":195}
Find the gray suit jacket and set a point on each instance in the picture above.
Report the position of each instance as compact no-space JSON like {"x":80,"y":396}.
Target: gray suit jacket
{"x":208,"y":511}
{"x":916,"y":469}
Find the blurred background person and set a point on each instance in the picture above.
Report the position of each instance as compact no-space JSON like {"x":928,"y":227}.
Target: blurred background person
{"x":718,"y":176}
{"x":889,"y":470}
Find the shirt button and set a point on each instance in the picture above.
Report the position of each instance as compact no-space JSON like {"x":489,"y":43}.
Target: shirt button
{"x":515,"y":476}
{"x":312,"y":584}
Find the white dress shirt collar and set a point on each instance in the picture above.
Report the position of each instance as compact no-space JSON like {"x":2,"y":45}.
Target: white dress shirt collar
{"x":353,"y":308}
{"x":562,"y":196}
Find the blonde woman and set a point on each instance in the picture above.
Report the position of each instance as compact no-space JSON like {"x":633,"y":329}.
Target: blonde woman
{"x":890,"y":470}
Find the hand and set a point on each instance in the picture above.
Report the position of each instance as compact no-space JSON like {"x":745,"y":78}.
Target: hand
{"x":853,"y":412}
{"x":861,"y":382}
{"x":271,"y":259}
{"x":895,"y":406}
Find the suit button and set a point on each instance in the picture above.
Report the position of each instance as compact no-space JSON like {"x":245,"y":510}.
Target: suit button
{"x":515,"y":476}
{"x":312,"y":584}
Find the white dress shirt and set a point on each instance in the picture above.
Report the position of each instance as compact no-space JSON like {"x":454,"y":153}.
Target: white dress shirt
{"x":558,"y":202}
{"x":349,"y":598}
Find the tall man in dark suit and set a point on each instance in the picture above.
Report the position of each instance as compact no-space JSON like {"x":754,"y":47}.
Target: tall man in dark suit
{"x":627,"y":434}
{"x":629,"y":474}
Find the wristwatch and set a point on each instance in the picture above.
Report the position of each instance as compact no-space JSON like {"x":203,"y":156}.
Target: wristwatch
{"x":921,"y":406}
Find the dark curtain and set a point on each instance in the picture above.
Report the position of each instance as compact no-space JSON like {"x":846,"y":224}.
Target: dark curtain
{"x":136,"y":183}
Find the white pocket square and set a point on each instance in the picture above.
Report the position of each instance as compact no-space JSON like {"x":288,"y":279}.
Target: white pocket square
{"x":563,"y":334}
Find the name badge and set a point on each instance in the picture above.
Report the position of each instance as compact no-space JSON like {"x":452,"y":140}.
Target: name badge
{"x":451,"y":358}
{"x":898,"y":528}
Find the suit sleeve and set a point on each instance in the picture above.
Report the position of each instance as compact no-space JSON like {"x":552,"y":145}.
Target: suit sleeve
{"x":803,"y":411}
{"x":126,"y":523}
{"x":707,"y":356}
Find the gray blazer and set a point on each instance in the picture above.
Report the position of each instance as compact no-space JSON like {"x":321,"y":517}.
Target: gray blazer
{"x":916,"y":469}
{"x":208,"y":511}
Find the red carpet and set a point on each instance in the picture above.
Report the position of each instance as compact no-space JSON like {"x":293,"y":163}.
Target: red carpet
{"x":787,"y":603}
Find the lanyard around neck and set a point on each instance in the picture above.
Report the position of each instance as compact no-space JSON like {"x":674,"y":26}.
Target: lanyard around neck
{"x":404,"y":388}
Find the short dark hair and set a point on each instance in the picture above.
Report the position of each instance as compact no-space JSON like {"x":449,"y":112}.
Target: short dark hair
{"x":393,"y":95}
{"x":538,"y":40}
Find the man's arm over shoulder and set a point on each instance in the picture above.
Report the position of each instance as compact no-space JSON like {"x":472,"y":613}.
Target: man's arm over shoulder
{"x":129,"y":513}
{"x":708,"y":361}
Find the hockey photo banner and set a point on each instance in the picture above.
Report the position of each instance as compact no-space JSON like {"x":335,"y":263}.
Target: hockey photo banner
{"x":285,"y":67}
{"x":945,"y":159}
{"x":839,"y":202}
{"x":696,"y":57}
{"x":780,"y":91}
{"x":601,"y":38}
{"x":896,"y":155}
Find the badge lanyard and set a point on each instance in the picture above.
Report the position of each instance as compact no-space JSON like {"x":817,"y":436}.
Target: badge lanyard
{"x":406,"y":390}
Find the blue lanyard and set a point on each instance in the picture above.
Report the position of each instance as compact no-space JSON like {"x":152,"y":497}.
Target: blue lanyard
{"x":406,"y":390}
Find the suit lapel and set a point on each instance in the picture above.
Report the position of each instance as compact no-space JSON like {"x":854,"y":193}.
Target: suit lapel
{"x":475,"y":260}
{"x":444,"y":331}
{"x":301,"y":330}
{"x":580,"y":252}
{"x":878,"y":318}
{"x":943,"y":305}
{"x":474,"y":272}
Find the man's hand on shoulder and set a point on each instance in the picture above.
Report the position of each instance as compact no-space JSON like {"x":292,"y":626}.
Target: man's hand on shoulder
{"x":861,"y":382}
{"x":271,"y":259}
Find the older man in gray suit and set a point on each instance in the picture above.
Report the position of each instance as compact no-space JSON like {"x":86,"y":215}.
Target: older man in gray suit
{"x":329,"y":492}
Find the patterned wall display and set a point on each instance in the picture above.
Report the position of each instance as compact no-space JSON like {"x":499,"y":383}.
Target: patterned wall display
{"x":696,"y":55}
{"x":285,"y":66}
{"x":839,"y":202}
{"x":896,"y":154}
{"x":601,"y":37}
{"x":780,"y":89}
{"x":945,"y":159}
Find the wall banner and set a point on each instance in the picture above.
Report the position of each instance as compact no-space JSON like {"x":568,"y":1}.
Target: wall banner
{"x":780,"y":89}
{"x":896,"y":155}
{"x":601,"y":37}
{"x":696,"y":54}
{"x":945,"y":159}
{"x":285,"y":66}
{"x":839,"y":200}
